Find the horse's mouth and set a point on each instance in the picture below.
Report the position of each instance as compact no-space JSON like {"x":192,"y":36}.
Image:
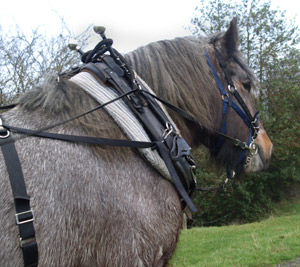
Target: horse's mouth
{"x":258,"y":161}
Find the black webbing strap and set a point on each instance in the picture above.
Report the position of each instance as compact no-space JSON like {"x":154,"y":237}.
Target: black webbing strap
{"x":83,"y":139}
{"x":8,"y":106}
{"x":24,"y":214}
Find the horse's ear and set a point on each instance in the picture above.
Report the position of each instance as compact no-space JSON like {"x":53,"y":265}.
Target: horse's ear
{"x":231,"y":38}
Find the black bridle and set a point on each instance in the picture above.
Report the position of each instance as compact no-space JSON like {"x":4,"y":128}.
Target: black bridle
{"x":249,"y":148}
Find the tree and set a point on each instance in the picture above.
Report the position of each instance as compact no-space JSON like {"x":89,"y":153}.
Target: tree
{"x":211,"y":17}
{"x":283,"y":111}
{"x":27,"y":59}
{"x":264,"y":33}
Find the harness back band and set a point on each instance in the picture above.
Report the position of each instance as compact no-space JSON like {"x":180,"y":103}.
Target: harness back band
{"x":173,"y":149}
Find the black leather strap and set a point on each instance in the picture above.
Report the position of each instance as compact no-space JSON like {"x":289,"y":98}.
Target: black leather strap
{"x":98,"y":72}
{"x":24,"y":214}
{"x":175,"y":178}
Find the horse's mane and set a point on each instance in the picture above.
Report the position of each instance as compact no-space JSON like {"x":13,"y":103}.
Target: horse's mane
{"x":177,"y":71}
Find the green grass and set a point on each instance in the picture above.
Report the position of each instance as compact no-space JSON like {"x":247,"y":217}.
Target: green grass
{"x":265,"y":243}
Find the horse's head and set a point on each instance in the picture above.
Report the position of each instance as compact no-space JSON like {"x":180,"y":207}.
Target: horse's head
{"x":238,"y":117}
{"x":179,"y":71}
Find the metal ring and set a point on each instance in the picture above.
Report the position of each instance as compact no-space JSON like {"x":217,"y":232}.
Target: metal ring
{"x":2,"y":135}
{"x":169,"y":129}
{"x":224,"y":97}
{"x":253,"y":148}
{"x":230,"y":86}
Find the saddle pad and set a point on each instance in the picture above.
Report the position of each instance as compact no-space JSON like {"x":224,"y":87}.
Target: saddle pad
{"x":122,"y":115}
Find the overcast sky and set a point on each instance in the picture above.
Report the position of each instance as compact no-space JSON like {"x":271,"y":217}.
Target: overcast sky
{"x":130,"y":23}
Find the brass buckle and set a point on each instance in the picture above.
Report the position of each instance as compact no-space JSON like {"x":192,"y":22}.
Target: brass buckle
{"x":224,"y":97}
{"x":29,"y":240}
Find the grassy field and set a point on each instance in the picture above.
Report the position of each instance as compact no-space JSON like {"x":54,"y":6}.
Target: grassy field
{"x":265,"y":243}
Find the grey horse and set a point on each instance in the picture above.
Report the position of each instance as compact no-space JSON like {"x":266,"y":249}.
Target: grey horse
{"x":106,"y":206}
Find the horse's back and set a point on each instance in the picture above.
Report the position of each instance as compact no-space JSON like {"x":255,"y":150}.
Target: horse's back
{"x":93,"y":207}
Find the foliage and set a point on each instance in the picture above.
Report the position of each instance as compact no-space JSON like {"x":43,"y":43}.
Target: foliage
{"x":281,"y":106}
{"x":265,"y":33}
{"x":265,"y":243}
{"x":27,"y":58}
{"x":242,"y":200}
{"x":270,"y":44}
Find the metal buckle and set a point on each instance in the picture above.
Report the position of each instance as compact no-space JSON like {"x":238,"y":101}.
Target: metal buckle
{"x":19,"y":220}
{"x":169,"y":129}
{"x":241,"y":144}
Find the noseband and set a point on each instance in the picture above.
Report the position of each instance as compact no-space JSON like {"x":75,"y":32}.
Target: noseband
{"x":249,"y":148}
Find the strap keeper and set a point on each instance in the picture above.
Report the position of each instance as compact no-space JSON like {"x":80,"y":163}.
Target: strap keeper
{"x":24,"y":242}
{"x":24,"y":217}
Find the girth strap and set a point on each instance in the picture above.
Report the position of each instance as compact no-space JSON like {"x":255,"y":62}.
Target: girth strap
{"x":24,"y":214}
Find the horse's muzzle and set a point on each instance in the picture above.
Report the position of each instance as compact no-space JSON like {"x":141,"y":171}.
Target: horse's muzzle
{"x":261,"y":160}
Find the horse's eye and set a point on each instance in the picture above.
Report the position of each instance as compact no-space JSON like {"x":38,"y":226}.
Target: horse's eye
{"x":247,"y":86}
